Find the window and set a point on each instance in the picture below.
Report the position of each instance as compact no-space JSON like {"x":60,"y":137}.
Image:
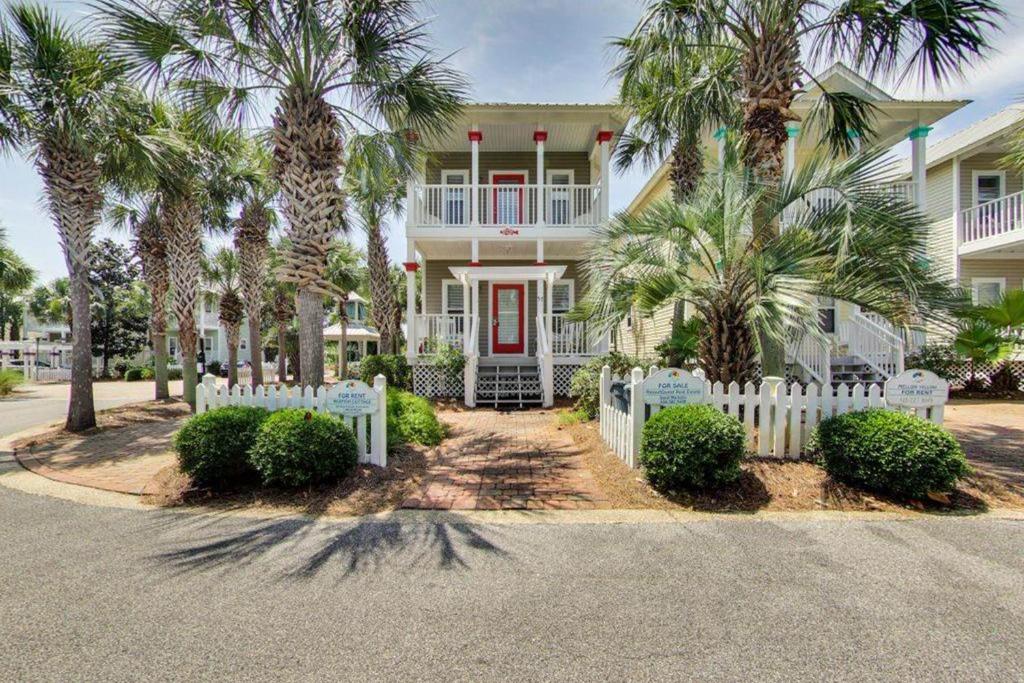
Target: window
{"x":987,"y":290}
{"x":241,"y":344}
{"x":172,"y":347}
{"x":208,"y":306}
{"x":453,"y":304}
{"x":454,"y":196}
{"x":827,"y":314}
{"x":988,"y":186}
{"x":371,"y":348}
{"x":208,"y":343}
{"x":562,"y":296}
{"x":560,"y":198}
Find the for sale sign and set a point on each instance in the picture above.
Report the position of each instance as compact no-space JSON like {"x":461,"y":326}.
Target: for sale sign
{"x":673,"y":387}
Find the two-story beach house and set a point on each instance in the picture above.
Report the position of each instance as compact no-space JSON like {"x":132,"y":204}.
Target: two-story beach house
{"x":862,"y":346}
{"x":497,"y":220}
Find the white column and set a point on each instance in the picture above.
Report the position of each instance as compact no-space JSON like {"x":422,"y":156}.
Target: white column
{"x":540,"y":303}
{"x":475,"y":137}
{"x":410,"y":306}
{"x":476,"y":309}
{"x":540,"y":252}
{"x":549,"y":307}
{"x":604,"y":139}
{"x":466,"y":316}
{"x":918,"y":141}
{"x":792,"y":131}
{"x":474,"y":252}
{"x":958,"y":219}
{"x":540,"y":137}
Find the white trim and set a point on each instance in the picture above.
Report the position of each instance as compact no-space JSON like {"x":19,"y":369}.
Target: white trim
{"x":507,"y":273}
{"x":552,"y":171}
{"x":572,"y":291}
{"x":958,"y":219}
{"x":983,"y":172}
{"x":463,"y":171}
{"x":444,"y":295}
{"x":490,"y":317}
{"x":975,"y":281}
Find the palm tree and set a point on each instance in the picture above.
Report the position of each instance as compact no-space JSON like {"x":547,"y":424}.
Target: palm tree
{"x":376,"y":169}
{"x":252,"y":242}
{"x":329,"y":64}
{"x":221,"y":274}
{"x":16,"y":276}
{"x":143,"y":220}
{"x":345,"y":275}
{"x":52,"y":303}
{"x":867,"y":249}
{"x":934,"y":37}
{"x":64,"y":104}
{"x":1007,"y":316}
{"x":979,"y":342}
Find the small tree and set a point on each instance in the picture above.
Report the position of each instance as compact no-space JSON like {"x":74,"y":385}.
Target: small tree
{"x":221,"y":274}
{"x":980,"y":342}
{"x":119,"y":316}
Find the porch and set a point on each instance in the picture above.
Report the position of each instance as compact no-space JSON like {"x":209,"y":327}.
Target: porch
{"x":993,"y":229}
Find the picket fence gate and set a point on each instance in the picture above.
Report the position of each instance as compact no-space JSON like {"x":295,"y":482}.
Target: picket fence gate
{"x":778,"y":420}
{"x":370,"y":430}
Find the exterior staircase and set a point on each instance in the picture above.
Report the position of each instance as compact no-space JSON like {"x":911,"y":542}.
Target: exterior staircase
{"x":509,"y":385}
{"x":851,"y":369}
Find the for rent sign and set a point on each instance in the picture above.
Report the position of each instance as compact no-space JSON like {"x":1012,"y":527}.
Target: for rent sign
{"x":352,"y":398}
{"x":916,"y":389}
{"x":673,"y":387}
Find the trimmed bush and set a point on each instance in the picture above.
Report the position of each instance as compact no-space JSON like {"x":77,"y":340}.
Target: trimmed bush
{"x":174,"y":374}
{"x":10,"y":379}
{"x":296,"y":447}
{"x":133,"y":375}
{"x":890,"y":452}
{"x":692,"y":447}
{"x":411,"y":419}
{"x":585,"y":386}
{"x":395,"y":368}
{"x":213,"y":448}
{"x":148,"y":373}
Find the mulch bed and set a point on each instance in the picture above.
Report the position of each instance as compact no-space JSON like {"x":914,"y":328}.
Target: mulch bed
{"x":778,"y":485}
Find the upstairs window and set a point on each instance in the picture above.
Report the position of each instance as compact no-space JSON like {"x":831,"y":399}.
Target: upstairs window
{"x":559,"y":197}
{"x":988,"y":186}
{"x":454,"y":196}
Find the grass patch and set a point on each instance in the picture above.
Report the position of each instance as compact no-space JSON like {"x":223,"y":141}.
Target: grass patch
{"x":568,"y":418}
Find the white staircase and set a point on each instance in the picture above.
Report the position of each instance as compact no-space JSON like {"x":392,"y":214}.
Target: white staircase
{"x":866,"y":350}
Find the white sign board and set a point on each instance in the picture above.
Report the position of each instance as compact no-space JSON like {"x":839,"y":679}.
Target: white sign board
{"x":916,"y":389}
{"x":673,"y":387}
{"x":352,"y":398}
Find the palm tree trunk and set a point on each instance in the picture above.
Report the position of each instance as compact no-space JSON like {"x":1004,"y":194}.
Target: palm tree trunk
{"x":160,"y":365}
{"x":381,"y":292}
{"x":233,"y":334}
{"x":726,"y":350}
{"x":686,"y":167}
{"x":251,"y":243}
{"x":282,"y":354}
{"x":310,"y":308}
{"x":81,"y":410}
{"x":184,"y":245}
{"x":256,"y":354}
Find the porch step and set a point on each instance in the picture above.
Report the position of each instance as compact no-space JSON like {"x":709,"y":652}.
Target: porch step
{"x":508,"y":386}
{"x":853,"y":370}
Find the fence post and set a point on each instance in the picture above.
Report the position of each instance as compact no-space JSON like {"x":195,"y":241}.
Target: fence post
{"x":208,"y":386}
{"x":379,"y":424}
{"x":604,"y":386}
{"x":636,"y":414}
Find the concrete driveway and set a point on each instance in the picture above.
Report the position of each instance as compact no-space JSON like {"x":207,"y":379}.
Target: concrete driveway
{"x":39,"y":404}
{"x":93,"y":593}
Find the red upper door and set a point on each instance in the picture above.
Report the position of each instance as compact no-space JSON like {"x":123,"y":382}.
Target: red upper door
{"x":507,"y":317}
{"x":508,"y":198}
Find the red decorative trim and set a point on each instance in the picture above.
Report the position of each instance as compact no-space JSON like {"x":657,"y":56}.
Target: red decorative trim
{"x":411,"y":267}
{"x":475,"y":264}
{"x":476,"y":136}
{"x":540,"y":136}
{"x":604,"y":136}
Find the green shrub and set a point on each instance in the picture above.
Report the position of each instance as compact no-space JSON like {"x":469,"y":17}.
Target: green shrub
{"x":395,"y":368}
{"x":296,"y":447}
{"x":174,"y":374}
{"x":214,"y":367}
{"x":121,"y":367}
{"x":890,"y":452}
{"x":10,"y":379}
{"x":942,"y":359}
{"x":585,"y":386}
{"x":213,"y":448}
{"x":692,"y":447}
{"x":133,"y":375}
{"x":411,"y":419}
{"x":450,"y":361}
{"x":148,"y":373}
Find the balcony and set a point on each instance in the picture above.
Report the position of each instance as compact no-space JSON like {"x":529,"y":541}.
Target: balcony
{"x":825,"y":199}
{"x":993,"y":226}
{"x":508,"y":207}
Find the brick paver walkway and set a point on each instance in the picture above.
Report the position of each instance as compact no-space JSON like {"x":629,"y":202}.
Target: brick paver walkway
{"x":515,"y":460}
{"x":122,"y":458}
{"x":992,"y":434}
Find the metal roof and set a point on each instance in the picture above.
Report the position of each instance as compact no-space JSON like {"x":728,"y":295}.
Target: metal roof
{"x":973,"y":136}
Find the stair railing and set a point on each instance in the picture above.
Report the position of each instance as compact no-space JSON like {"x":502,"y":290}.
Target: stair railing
{"x":545,"y":362}
{"x":472,"y":363}
{"x":813,"y":356}
{"x":881,"y":349}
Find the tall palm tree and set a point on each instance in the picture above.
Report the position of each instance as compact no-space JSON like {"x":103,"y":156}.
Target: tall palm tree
{"x":329,"y":64}
{"x":16,"y":276}
{"x":935,"y":38}
{"x":867,"y":249}
{"x":142,"y":219}
{"x":376,"y":169}
{"x":345,"y":274}
{"x":64,"y":105}
{"x":222,"y":275}
{"x":252,"y":243}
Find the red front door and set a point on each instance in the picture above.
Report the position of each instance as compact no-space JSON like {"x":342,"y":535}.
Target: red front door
{"x":507,"y":318}
{"x":508,"y":198}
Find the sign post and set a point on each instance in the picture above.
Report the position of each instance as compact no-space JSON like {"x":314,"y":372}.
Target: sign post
{"x":918,"y":390}
{"x":355,"y":401}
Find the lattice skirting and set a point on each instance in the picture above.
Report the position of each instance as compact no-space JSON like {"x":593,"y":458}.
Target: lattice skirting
{"x":428,"y":381}
{"x":563,"y":378}
{"x":961,"y":372}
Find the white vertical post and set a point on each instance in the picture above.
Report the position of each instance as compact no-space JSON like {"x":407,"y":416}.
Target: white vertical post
{"x":410,"y":307}
{"x":636,"y":414}
{"x":604,"y":138}
{"x":466,"y":316}
{"x":549,"y":308}
{"x":476,"y":310}
{"x":958,"y":219}
{"x":540,"y":252}
{"x":918,"y":144}
{"x":209,"y":386}
{"x":540,"y":305}
{"x":792,"y":131}
{"x":540,"y":137}
{"x":474,"y":252}
{"x":379,"y":426}
{"x":475,"y":137}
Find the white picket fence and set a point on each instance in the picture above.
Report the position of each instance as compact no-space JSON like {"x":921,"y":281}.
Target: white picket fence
{"x":778,"y":420}
{"x":370,"y":430}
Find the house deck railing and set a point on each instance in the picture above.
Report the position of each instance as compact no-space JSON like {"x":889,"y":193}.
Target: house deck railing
{"x":992,"y":219}
{"x":825,"y":199}
{"x":570,"y":338}
{"x":505,"y":205}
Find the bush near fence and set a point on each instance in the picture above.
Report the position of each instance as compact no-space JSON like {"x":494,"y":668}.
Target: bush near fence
{"x":778,"y":420}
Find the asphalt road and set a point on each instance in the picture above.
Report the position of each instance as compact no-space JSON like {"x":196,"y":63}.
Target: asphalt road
{"x":38,"y":404}
{"x":93,"y":594}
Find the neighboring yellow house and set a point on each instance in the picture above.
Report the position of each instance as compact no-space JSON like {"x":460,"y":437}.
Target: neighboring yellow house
{"x":863,"y":346}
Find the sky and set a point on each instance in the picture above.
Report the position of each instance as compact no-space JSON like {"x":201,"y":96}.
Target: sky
{"x":534,"y":51}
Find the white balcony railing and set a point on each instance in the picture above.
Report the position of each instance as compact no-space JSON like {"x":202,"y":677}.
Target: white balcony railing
{"x":813,"y":356}
{"x":570,"y":338}
{"x":505,"y":205}
{"x":436,"y":328}
{"x":998,"y":217}
{"x":879,"y":347}
{"x":825,"y":199}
